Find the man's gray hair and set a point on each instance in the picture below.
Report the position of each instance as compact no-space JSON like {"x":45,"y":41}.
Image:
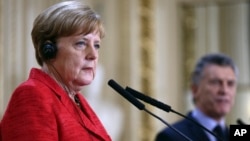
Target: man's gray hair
{"x":212,"y":59}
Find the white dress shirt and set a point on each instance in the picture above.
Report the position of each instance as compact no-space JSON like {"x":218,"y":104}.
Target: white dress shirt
{"x":207,"y":122}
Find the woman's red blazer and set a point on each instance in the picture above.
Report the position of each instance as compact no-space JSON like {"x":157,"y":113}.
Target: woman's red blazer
{"x":40,"y":110}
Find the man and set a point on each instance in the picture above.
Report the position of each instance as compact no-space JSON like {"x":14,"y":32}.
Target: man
{"x":213,"y":87}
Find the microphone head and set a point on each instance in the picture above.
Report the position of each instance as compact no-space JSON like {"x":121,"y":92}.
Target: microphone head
{"x":240,"y":122}
{"x":126,"y":94}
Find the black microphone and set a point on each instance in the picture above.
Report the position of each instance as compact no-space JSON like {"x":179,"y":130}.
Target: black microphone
{"x":240,"y":122}
{"x":126,"y":95}
{"x":140,"y":105}
{"x":149,"y":100}
{"x":165,"y":107}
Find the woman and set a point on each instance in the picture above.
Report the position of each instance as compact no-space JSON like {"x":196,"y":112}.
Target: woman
{"x":48,"y":106}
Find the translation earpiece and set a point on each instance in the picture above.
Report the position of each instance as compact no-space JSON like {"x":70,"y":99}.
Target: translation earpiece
{"x":49,"y":50}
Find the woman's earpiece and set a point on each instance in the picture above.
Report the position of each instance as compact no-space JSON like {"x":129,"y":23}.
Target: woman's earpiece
{"x":49,"y":50}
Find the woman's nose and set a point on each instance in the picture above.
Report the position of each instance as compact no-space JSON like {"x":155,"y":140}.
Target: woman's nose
{"x":92,"y":52}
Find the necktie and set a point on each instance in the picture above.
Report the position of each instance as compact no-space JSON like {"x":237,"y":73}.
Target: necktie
{"x":219,"y":132}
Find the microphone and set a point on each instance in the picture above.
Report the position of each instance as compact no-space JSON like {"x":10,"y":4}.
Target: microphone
{"x":240,"y":122}
{"x":149,"y":100}
{"x":140,"y":105}
{"x":126,"y":95}
{"x":165,"y":107}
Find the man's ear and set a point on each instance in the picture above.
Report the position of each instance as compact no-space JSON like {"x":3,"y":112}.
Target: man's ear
{"x":194,"y":89}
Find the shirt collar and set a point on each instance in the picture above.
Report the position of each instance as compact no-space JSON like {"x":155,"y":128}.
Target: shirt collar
{"x":206,"y":121}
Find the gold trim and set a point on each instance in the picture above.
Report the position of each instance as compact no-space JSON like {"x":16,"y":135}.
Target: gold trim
{"x":147,"y":60}
{"x":188,"y":37}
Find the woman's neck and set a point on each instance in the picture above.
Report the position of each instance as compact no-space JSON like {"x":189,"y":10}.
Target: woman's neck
{"x":52,"y":72}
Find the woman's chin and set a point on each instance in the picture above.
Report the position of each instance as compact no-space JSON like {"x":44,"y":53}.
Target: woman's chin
{"x":84,"y":82}
{"x":78,"y":85}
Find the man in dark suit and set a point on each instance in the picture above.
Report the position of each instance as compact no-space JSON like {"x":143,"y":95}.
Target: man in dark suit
{"x":213,"y":87}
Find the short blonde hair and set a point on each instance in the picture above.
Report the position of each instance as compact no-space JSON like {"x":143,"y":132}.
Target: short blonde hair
{"x":61,"y":20}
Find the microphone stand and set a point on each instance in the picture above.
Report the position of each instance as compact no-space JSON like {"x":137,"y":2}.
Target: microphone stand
{"x":171,"y":127}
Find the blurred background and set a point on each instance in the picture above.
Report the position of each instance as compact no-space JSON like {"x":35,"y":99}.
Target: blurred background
{"x":150,"y":45}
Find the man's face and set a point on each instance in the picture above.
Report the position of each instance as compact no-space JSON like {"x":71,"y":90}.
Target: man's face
{"x":215,"y":93}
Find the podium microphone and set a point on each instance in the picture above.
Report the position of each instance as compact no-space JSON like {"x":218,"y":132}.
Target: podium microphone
{"x":140,"y":105}
{"x":240,"y":122}
{"x":126,"y":95}
{"x":165,"y":107}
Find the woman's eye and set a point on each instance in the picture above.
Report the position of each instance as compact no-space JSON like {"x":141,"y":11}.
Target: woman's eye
{"x":81,"y":44}
{"x":97,"y":46}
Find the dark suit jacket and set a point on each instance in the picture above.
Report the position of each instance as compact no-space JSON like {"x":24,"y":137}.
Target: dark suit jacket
{"x":40,"y":110}
{"x":186,"y":127}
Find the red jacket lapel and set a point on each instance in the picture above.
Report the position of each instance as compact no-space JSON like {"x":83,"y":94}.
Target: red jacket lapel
{"x":91,"y":120}
{"x":86,"y":117}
